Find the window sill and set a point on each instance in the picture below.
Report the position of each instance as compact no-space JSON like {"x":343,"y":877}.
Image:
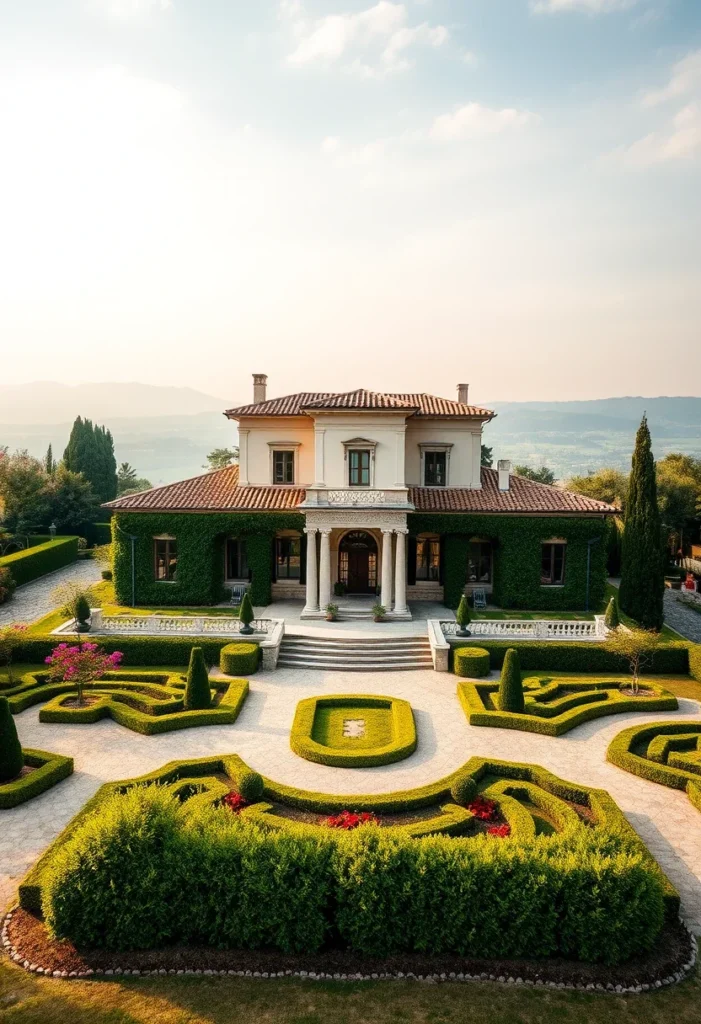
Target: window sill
{"x":552,"y":586}
{"x":170,"y":582}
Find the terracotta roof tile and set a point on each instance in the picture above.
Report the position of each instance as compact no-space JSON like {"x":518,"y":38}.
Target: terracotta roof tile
{"x":523,"y":496}
{"x":414,"y":404}
{"x":212,"y":492}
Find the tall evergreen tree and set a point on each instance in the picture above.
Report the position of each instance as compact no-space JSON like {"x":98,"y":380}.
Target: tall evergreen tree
{"x":642,"y":580}
{"x":90,"y":451}
{"x":49,"y":464}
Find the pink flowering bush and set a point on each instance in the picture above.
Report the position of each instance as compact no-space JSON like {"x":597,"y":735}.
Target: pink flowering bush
{"x":81,"y":664}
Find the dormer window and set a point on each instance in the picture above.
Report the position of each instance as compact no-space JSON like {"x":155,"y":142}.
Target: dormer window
{"x":283,"y":461}
{"x":435,"y":463}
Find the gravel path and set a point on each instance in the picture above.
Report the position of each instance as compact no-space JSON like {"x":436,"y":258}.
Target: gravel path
{"x":664,"y":818}
{"x":685,"y":620}
{"x":34,"y":599}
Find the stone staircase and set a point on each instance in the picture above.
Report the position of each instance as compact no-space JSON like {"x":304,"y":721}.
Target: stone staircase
{"x":387,"y":654}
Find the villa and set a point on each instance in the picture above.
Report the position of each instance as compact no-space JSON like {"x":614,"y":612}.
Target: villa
{"x":360,"y":493}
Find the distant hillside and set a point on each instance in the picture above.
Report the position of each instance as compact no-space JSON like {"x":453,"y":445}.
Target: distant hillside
{"x":569,"y":437}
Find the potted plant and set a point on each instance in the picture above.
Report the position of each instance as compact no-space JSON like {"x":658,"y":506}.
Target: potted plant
{"x":246,"y":615}
{"x":81,"y":614}
{"x":462,"y":617}
{"x":331,"y":612}
{"x":378,"y":612}
{"x":339,"y":588}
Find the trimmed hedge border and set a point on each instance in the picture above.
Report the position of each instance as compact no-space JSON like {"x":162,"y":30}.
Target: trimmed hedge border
{"x":472,"y":662}
{"x":40,"y":560}
{"x":451,"y":821}
{"x":403,"y":742}
{"x":563,"y":714}
{"x":146,"y":713}
{"x":171,"y":651}
{"x":49,"y":770}
{"x":239,"y":659}
{"x":677,"y":658}
{"x":654,"y":764}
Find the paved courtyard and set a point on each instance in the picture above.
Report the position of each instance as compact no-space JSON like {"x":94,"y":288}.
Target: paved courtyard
{"x":685,"y":620}
{"x":664,"y":818}
{"x":34,"y":599}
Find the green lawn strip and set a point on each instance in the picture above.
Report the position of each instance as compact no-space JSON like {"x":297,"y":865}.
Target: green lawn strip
{"x":533,"y":616}
{"x":317,"y":730}
{"x":146,"y":702}
{"x":49,"y":769}
{"x":574,"y":700}
{"x":652,"y":752}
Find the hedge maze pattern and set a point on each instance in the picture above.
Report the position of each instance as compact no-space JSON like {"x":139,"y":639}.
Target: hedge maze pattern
{"x":665,"y":752}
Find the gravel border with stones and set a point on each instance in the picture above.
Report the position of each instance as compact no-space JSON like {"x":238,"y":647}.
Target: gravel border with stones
{"x":432,"y":978}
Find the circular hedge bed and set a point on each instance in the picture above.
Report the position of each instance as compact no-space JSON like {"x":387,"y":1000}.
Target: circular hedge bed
{"x":471,"y":662}
{"x":239,"y":659}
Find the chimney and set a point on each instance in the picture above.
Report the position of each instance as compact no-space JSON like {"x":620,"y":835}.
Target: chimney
{"x":504,"y":468}
{"x":260,"y":384}
{"x":462,"y":393}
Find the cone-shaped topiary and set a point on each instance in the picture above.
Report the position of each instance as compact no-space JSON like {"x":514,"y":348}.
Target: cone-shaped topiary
{"x":641,"y":592}
{"x":11,"y":756}
{"x":246,"y":614}
{"x":462,"y":616}
{"x":611,"y":618}
{"x":510,"y":685}
{"x":197,"y":693}
{"x":82,"y":608}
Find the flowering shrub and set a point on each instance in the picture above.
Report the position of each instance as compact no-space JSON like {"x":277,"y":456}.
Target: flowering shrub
{"x":500,"y":831}
{"x":348,"y":820}
{"x":10,"y":637}
{"x":81,"y":664}
{"x":235,"y":802}
{"x":483,"y":809}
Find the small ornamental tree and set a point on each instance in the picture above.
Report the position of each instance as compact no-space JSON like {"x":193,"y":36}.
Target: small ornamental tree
{"x":637,"y":646}
{"x":197,"y":692}
{"x":11,"y":756}
{"x":462,"y":617}
{"x":246,"y":614}
{"x":81,"y":664}
{"x":611,"y":619}
{"x":10,"y":638}
{"x":510,"y":684}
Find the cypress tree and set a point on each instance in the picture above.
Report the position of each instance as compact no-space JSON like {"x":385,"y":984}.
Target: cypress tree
{"x":197,"y":693}
{"x":611,"y":619}
{"x":642,"y":579}
{"x":11,"y":756}
{"x":510,"y":684}
{"x":90,"y":451}
{"x":49,"y":464}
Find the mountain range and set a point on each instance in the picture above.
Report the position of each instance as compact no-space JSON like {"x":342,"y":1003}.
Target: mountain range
{"x":166,"y":432}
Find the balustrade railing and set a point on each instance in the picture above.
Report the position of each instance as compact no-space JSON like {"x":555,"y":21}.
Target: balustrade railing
{"x":215,"y":625}
{"x":533,"y":629}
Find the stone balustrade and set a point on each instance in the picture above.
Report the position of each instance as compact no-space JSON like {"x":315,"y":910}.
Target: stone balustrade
{"x":533,"y":629}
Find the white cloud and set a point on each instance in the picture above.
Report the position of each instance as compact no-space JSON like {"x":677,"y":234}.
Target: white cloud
{"x":473,"y":120}
{"x":588,"y":6}
{"x":685,"y":78}
{"x":380,"y":31}
{"x":129,"y":8}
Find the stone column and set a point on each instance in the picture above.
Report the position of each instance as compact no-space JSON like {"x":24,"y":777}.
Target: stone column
{"x":386,"y":591}
{"x":325,"y":568}
{"x":312,"y":598}
{"x":400,"y":574}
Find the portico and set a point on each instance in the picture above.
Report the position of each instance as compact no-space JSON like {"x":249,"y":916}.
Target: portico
{"x":363,"y":552}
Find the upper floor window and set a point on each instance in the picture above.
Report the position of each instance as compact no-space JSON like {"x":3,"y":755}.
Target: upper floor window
{"x":435,"y":469}
{"x":288,"y":558}
{"x":283,"y":467}
{"x":428,"y":558}
{"x":479,"y":562}
{"x":552,"y":571}
{"x":236,"y":560}
{"x":359,"y":467}
{"x":165,"y":558}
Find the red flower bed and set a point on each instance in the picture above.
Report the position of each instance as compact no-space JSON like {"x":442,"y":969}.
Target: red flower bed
{"x":235,"y":802}
{"x":350,"y":819}
{"x":500,"y":831}
{"x":483,"y":809}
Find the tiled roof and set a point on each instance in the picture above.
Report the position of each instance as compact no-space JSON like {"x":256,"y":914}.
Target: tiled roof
{"x":523,"y":496}
{"x":212,"y":492}
{"x":413,"y":404}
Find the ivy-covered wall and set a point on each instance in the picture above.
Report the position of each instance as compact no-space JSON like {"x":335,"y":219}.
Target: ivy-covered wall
{"x":516,"y":543}
{"x":199,"y":577}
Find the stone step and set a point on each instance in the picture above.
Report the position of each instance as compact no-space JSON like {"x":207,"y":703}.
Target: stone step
{"x":353,"y":665}
{"x":356,"y":643}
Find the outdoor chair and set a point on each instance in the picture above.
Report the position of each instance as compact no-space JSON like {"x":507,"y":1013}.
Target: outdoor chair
{"x":479,"y":597}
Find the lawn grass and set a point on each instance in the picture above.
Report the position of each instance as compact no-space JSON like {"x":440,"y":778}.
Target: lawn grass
{"x":28,"y":999}
{"x":498,"y":613}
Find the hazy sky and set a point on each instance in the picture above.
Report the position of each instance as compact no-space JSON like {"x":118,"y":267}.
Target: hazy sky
{"x":343,"y":193}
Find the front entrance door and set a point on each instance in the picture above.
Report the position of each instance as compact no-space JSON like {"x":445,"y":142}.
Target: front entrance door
{"x":357,"y":562}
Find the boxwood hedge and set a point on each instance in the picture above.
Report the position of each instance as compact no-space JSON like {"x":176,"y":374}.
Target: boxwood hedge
{"x":471,"y":662}
{"x":657,"y":751}
{"x":239,"y":659}
{"x":37,"y":561}
{"x":677,"y":658}
{"x":48,"y":770}
{"x":347,"y":755}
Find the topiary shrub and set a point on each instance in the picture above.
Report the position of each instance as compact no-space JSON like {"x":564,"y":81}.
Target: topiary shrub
{"x":82,"y":609}
{"x":463,"y":789}
{"x":246,"y":614}
{"x":249,"y":784}
{"x":239,"y":659}
{"x":611,"y":618}
{"x":7,"y":585}
{"x":471,"y":662}
{"x":510,"y":684}
{"x":197,"y":692}
{"x":11,"y":756}
{"x":462,"y":617}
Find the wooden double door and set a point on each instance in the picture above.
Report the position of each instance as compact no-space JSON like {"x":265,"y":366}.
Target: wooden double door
{"x":357,"y":562}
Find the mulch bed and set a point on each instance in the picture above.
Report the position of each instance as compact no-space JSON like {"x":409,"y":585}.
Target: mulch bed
{"x":670,"y":958}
